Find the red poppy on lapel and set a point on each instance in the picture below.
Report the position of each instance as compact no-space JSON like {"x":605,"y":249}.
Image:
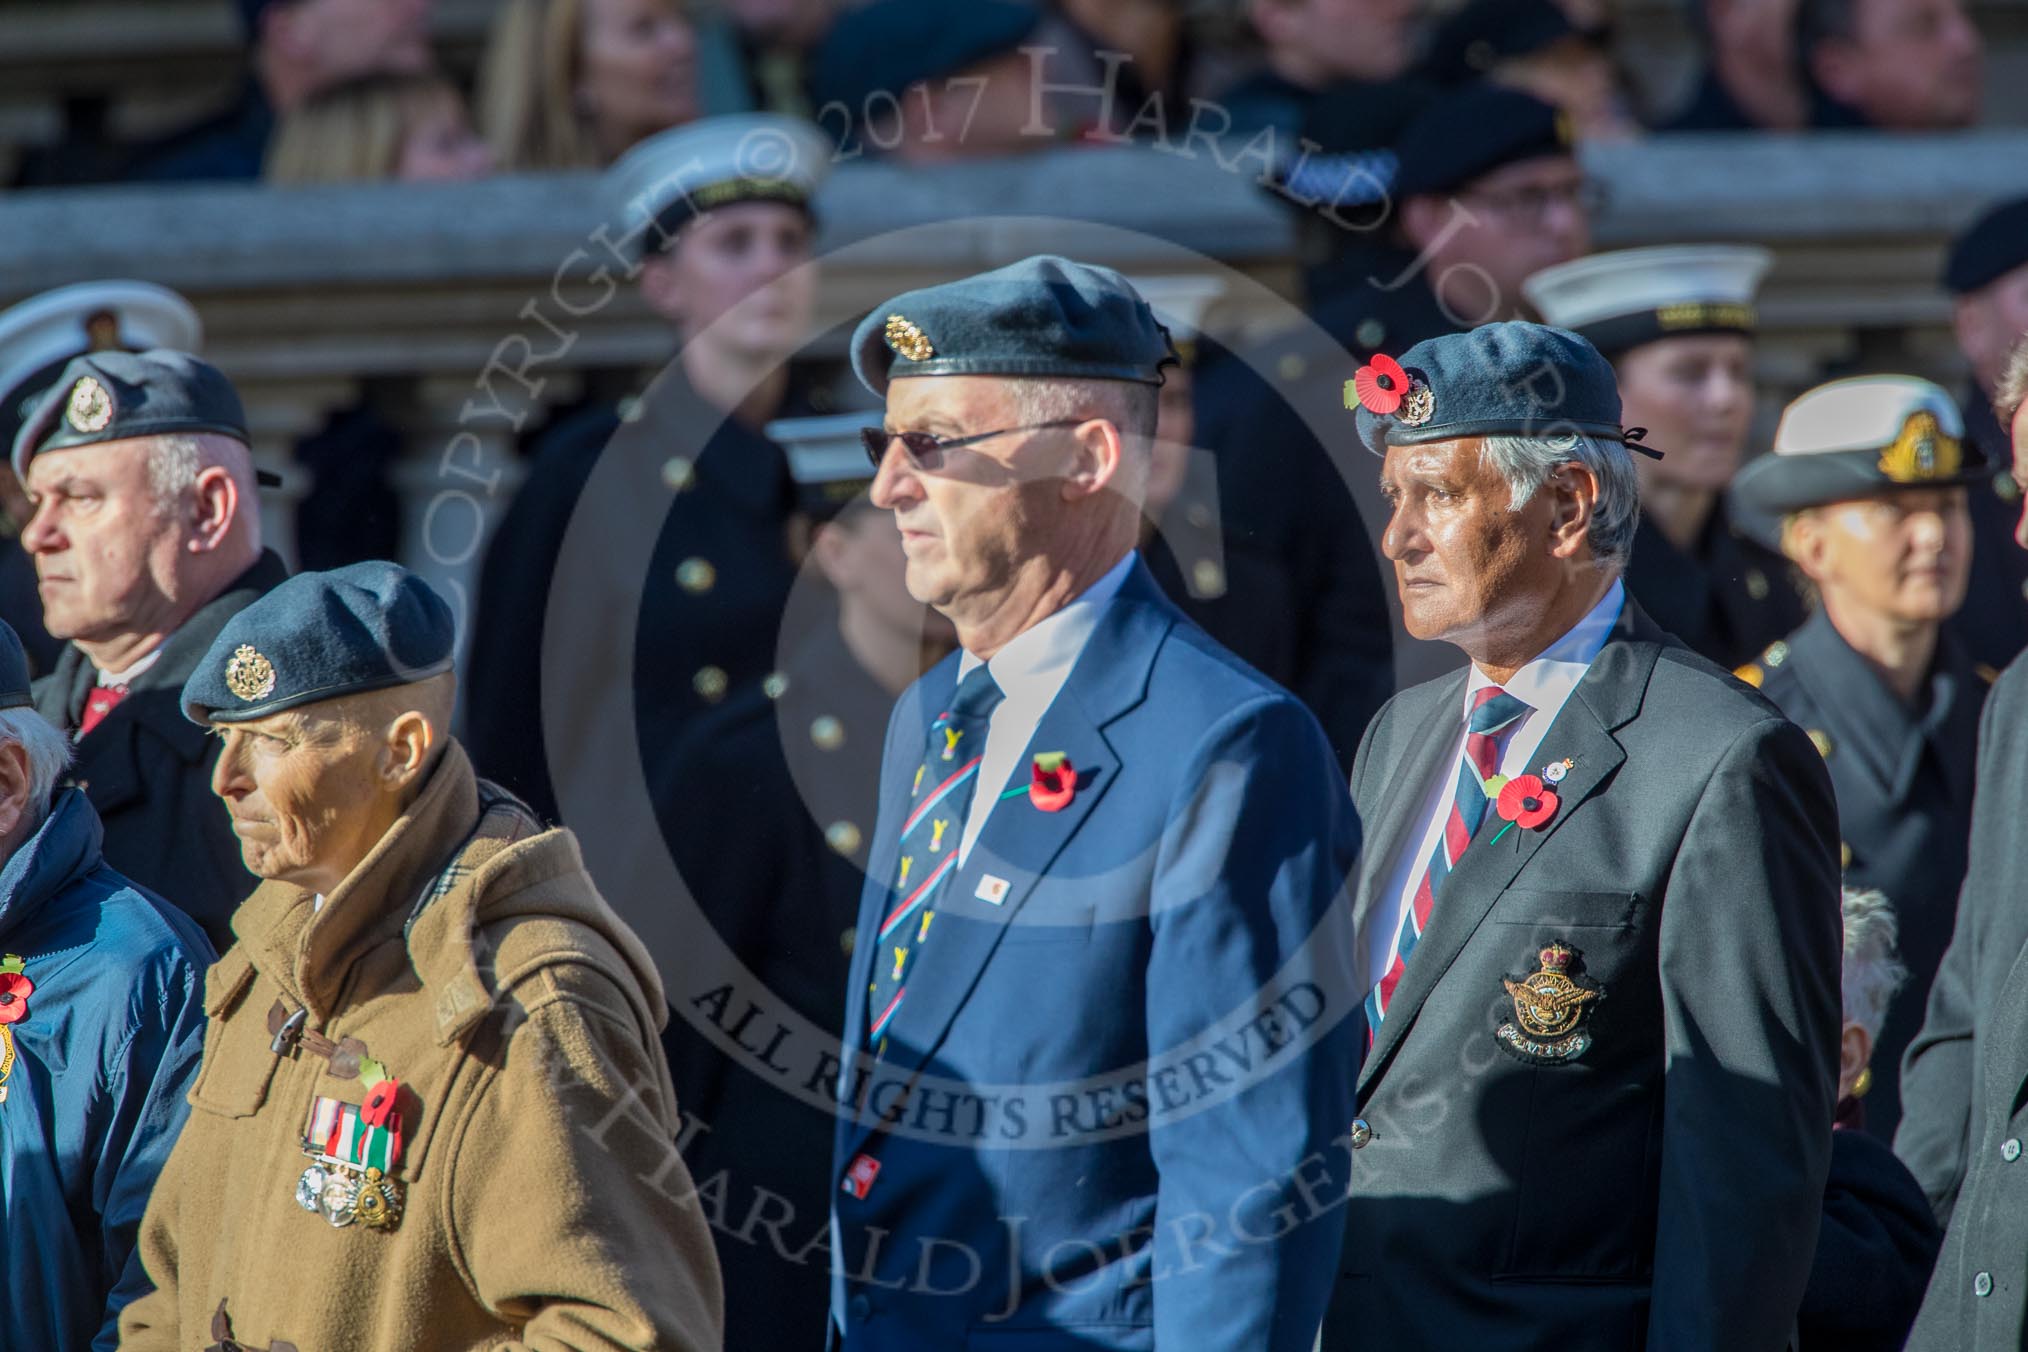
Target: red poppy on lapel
{"x":1526,"y":801}
{"x":15,"y":989}
{"x":1380,"y":385}
{"x":1052,"y":783}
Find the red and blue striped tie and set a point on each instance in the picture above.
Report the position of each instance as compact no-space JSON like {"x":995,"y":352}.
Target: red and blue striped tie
{"x":1494,"y":714}
{"x":939,"y":800}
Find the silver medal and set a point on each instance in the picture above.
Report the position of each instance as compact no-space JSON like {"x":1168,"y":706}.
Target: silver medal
{"x":338,"y":1196}
{"x":310,"y":1189}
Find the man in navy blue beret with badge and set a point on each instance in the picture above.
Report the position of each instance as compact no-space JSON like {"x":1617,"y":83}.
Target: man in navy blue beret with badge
{"x":1598,"y":914}
{"x":1097,"y":1060}
{"x":432,"y":1110}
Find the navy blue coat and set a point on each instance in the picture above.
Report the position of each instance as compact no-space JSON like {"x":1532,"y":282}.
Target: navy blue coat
{"x":1061,"y":1161}
{"x":94,"y":1099}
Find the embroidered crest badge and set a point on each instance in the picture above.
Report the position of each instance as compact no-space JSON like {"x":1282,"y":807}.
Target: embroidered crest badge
{"x":1551,"y":1011}
{"x":907,"y":339}
{"x":90,"y":408}
{"x":249,"y":675}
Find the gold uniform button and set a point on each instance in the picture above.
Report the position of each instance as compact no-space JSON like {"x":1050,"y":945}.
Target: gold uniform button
{"x":1199,"y":515}
{"x":1207,"y":579}
{"x":630,"y":410}
{"x":847,"y":940}
{"x":776,"y":685}
{"x":678,"y":473}
{"x":828,"y":733}
{"x":710,"y":684}
{"x":1370,"y":333}
{"x":1844,"y":855}
{"x":1822,"y":741}
{"x":1292,"y":367}
{"x":2005,"y":488}
{"x":1751,"y":673}
{"x":696,"y":575}
{"x":1756,"y":584}
{"x":842,"y":837}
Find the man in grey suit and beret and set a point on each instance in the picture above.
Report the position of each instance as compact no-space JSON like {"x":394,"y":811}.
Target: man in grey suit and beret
{"x":1965,"y":1079}
{"x":1599,"y":911}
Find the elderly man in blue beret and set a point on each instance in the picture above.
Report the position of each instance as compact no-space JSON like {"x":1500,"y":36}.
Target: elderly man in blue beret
{"x":1599,"y":916}
{"x":1097,"y":1061}
{"x":432,"y":1111}
{"x":101,"y":1026}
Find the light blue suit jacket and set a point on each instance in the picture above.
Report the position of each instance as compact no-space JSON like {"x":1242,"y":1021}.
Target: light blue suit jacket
{"x":1113,"y":1108}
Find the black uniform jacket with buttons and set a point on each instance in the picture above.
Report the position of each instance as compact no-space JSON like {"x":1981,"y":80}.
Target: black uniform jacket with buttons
{"x":1660,"y":1187}
{"x":147,"y":768}
{"x":1994,"y":618}
{"x":1727,"y":598}
{"x":1903,"y":775}
{"x":1965,"y":1081}
{"x":768,"y":811}
{"x":1875,"y":1250}
{"x":688,"y":623}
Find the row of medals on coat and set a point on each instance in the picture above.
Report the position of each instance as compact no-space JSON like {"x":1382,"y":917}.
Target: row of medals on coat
{"x":353,"y":1150}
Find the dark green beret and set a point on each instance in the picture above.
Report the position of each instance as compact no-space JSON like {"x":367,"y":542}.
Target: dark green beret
{"x":14,"y":677}
{"x":1472,"y":132}
{"x":1042,"y":317}
{"x":1508,"y":379}
{"x":874,"y":52}
{"x":318,"y":636}
{"x":110,"y":396}
{"x":1990,"y":248}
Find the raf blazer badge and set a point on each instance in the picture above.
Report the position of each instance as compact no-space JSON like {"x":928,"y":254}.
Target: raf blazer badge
{"x":1551,"y":1009}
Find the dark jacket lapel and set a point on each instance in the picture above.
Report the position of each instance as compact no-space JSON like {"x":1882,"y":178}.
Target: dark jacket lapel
{"x":1435,"y":725}
{"x":1607,"y":698}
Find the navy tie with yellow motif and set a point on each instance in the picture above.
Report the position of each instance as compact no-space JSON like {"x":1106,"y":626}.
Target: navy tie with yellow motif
{"x":938,"y":800}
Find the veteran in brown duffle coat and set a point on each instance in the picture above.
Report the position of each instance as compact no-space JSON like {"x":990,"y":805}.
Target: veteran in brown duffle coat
{"x":421,"y":945}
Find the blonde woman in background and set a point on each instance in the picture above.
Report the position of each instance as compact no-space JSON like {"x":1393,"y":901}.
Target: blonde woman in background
{"x":413,"y":128}
{"x":569,"y":84}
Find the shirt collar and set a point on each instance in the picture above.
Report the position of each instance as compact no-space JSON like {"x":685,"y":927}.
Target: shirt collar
{"x":118,"y":678}
{"x":1547,"y":681}
{"x":1036,"y":661}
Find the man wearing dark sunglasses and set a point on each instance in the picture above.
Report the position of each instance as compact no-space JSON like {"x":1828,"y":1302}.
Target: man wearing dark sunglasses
{"x":1105,"y":845}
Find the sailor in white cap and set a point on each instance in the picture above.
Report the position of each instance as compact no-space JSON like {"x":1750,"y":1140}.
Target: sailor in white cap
{"x":38,"y":337}
{"x":716,"y":222}
{"x":1677,"y":323}
{"x":1867,"y":488}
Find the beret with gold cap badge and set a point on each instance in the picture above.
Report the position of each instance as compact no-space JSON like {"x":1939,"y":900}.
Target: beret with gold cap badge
{"x":1044,"y":316}
{"x":111,"y":396}
{"x":318,"y":636}
{"x":1855,"y":438}
{"x":40,"y":335}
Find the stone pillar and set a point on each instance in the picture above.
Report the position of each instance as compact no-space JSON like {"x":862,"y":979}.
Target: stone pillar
{"x":279,"y":414}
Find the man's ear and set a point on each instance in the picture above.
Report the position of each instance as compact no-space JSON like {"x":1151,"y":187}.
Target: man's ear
{"x":14,"y":782}
{"x":214,"y":507}
{"x":1855,"y":1049}
{"x":410,"y":739}
{"x":1803,"y":542}
{"x":1097,"y":456}
{"x":831,"y":551}
{"x":660,"y":287}
{"x":1573,"y":502}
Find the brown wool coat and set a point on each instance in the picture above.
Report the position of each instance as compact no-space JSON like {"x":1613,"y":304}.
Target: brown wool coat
{"x":545,"y":1206}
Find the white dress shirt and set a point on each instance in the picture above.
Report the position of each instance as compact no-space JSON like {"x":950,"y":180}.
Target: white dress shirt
{"x":1031,"y":671}
{"x":1543,"y":684}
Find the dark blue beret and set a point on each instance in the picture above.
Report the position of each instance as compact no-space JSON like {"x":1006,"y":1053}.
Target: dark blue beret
{"x":14,"y":677}
{"x":1478,"y":37}
{"x":1044,"y":316}
{"x":1990,"y":248}
{"x":1509,"y":379}
{"x":318,"y":636}
{"x":1472,"y":132}
{"x":887,"y":46}
{"x":110,"y":396}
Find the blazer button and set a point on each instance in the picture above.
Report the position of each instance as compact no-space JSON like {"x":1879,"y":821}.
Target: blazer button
{"x":1982,"y":1285}
{"x":2010,"y":1149}
{"x":1361,"y":1133}
{"x":859,"y":1307}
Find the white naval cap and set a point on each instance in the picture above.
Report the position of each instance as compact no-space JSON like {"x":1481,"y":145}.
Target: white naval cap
{"x":39,"y":335}
{"x":741,"y":157}
{"x":1623,"y":299}
{"x":1862,"y":413}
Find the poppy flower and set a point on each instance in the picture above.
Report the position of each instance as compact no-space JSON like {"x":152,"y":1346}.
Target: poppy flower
{"x":1526,"y":801}
{"x":1381,"y":384}
{"x":1053,"y":782}
{"x":14,"y":992}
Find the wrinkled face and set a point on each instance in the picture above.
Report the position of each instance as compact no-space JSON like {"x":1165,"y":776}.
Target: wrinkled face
{"x":638,"y":69}
{"x":439,"y":146}
{"x":1911,"y":65}
{"x":1904,"y":555}
{"x":1501,"y":229}
{"x":970,"y":521}
{"x":351,"y":38}
{"x":303,"y":790}
{"x":106,"y":553}
{"x":1695,"y":397}
{"x":738,"y":272}
{"x":1467,"y":565}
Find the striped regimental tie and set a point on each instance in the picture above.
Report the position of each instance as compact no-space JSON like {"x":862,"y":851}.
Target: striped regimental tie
{"x":938,"y":800}
{"x":1495,"y":713}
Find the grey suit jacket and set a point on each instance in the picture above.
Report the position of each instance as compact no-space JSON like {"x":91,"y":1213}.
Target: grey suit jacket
{"x":1652,"y":1176}
{"x":1964,"y":1123}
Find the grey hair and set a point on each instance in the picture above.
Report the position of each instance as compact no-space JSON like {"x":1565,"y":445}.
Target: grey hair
{"x":1128,"y":405}
{"x":176,"y":459}
{"x":48,"y":753}
{"x":1527,"y":462}
{"x":1873,"y":972}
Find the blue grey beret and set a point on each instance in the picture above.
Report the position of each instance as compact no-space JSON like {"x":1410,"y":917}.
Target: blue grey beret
{"x":318,"y":636}
{"x":1044,"y":316}
{"x":111,"y":396}
{"x":14,"y":678}
{"x":881,"y":49}
{"x":1508,"y":379}
{"x":1989,"y":248}
{"x":1468,"y":134}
